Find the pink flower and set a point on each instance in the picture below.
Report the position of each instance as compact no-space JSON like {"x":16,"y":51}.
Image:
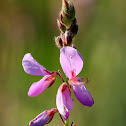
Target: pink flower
{"x":71,"y":60}
{"x":72,"y":64}
{"x":31,"y":66}
{"x":43,"y":118}
{"x":64,"y":101}
{"x":83,"y":95}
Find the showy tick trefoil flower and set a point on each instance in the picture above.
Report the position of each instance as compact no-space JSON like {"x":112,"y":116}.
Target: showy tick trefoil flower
{"x":72,"y":63}
{"x":43,"y":118}
{"x":64,"y":101}
{"x":31,"y":66}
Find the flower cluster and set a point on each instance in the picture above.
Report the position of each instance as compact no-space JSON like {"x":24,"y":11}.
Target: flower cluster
{"x":67,"y":24}
{"x":72,"y":63}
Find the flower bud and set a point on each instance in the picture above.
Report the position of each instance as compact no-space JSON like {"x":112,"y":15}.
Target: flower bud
{"x":58,"y":42}
{"x":68,"y":38}
{"x":61,"y":26}
{"x":67,"y":12}
{"x":68,"y":8}
{"x":73,"y":28}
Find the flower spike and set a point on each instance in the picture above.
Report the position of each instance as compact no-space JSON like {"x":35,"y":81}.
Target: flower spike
{"x":71,"y":62}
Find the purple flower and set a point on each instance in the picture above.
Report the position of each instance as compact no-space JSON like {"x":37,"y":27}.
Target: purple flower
{"x":72,"y":64}
{"x":71,"y":61}
{"x":43,"y":118}
{"x":64,"y":101}
{"x":31,"y":66}
{"x":83,"y":95}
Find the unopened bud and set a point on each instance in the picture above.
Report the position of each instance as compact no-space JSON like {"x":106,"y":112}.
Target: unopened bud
{"x":61,"y":26}
{"x":65,"y":6}
{"x":68,"y":8}
{"x":59,"y":42}
{"x":68,"y":38}
{"x":71,"y":10}
{"x":62,"y":35}
{"x":68,"y":12}
{"x":65,"y":20}
{"x":73,"y":29}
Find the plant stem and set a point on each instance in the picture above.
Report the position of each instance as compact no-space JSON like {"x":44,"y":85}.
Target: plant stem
{"x":67,"y":122}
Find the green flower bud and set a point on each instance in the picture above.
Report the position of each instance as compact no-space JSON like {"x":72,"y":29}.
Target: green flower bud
{"x":67,"y":12}
{"x":61,"y":26}
{"x":58,"y":42}
{"x":73,"y":28}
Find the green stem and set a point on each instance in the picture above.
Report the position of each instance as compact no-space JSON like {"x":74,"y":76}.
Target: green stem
{"x":66,"y":123}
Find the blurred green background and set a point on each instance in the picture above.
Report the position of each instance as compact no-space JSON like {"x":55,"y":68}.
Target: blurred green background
{"x":30,"y":26}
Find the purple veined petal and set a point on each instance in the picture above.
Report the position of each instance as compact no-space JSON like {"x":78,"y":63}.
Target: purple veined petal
{"x":43,"y":118}
{"x":70,"y":60}
{"x":83,"y":95}
{"x":38,"y":87}
{"x":63,"y":99}
{"x":31,"y":66}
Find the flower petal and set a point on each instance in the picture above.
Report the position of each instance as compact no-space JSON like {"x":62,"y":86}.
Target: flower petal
{"x":78,"y":79}
{"x":43,"y":118}
{"x":31,"y":66}
{"x":59,"y":102}
{"x":67,"y":115}
{"x":83,"y":95}
{"x":38,"y":87}
{"x":70,"y":60}
{"x":63,"y":99}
